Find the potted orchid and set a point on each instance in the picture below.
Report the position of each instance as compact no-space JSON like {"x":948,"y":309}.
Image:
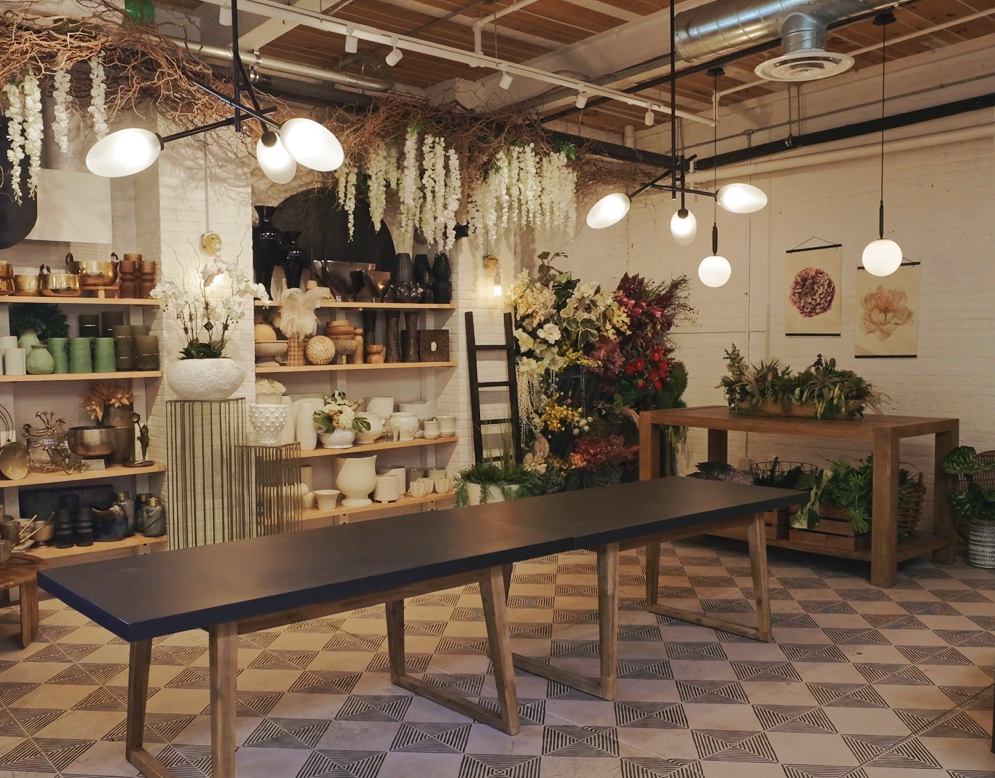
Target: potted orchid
{"x":338,"y":423}
{"x":207,"y":317}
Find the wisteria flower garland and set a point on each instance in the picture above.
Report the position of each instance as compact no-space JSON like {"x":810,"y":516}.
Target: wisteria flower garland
{"x":346,"y":192}
{"x":98,"y":89}
{"x":15,"y":136}
{"x":454,"y":193}
{"x":410,"y":194}
{"x":60,"y":121}
{"x":34,"y":128}
{"x":378,"y":182}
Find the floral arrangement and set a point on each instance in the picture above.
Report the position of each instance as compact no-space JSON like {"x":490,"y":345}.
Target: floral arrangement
{"x":829,"y":391}
{"x":605,"y":456}
{"x":340,"y":414}
{"x":104,"y":393}
{"x":208,"y":314}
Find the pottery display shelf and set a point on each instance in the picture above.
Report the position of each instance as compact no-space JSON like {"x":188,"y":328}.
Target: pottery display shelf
{"x":26,"y":379}
{"x":271,"y":369}
{"x":133,"y":546}
{"x":104,"y":301}
{"x":60,"y":477}
{"x":314,"y":518}
{"x":376,"y":306}
{"x":380,"y":445}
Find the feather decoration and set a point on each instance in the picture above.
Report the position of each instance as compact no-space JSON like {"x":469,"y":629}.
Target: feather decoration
{"x":297,"y":312}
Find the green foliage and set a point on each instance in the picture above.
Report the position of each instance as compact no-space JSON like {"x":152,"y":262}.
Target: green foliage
{"x":778,"y":475}
{"x":503,"y":477}
{"x":48,"y":321}
{"x":715,"y":471}
{"x":197,"y":350}
{"x":975,"y":503}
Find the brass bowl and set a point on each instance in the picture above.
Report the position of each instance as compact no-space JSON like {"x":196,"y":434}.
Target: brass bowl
{"x":26,"y":285}
{"x":6,"y":286}
{"x":93,"y":273}
{"x":46,"y":533}
{"x":6,"y":270}
{"x":91,"y":441}
{"x":59,"y":285}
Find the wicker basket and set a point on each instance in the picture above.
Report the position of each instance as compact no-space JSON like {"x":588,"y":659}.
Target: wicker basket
{"x":910,"y":500}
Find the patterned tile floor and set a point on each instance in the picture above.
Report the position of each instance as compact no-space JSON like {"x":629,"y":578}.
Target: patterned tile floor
{"x":860,"y":683}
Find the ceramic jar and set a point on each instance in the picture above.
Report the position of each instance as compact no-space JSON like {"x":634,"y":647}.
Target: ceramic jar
{"x":268,"y":421}
{"x":403,"y":426}
{"x":40,"y":360}
{"x":80,"y":355}
{"x":375,"y":431}
{"x":337,"y":438}
{"x":123,"y":499}
{"x":432,"y":430}
{"x":447,"y":424}
{"x":357,"y":478}
{"x":205,"y":379}
{"x":28,"y":339}
{"x":293,"y":258}
{"x":153,"y":519}
{"x":13,"y":361}
{"x":104,"y":356}
{"x":388,"y":489}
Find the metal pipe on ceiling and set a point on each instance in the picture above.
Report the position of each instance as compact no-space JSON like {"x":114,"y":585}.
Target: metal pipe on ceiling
{"x":478,"y":26}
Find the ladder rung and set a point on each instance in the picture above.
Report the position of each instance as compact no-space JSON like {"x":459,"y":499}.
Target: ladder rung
{"x":494,"y":421}
{"x":492,"y":384}
{"x":493,"y":347}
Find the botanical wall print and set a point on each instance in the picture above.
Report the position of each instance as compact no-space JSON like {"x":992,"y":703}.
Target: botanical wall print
{"x":814,"y":290}
{"x":887,"y":313}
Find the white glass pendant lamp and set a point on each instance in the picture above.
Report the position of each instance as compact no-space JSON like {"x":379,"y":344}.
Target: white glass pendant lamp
{"x":714,"y":270}
{"x":683,"y":227}
{"x":274,"y":160}
{"x":609,"y":210}
{"x":741,"y":198}
{"x":124,"y":153}
{"x":311,"y":145}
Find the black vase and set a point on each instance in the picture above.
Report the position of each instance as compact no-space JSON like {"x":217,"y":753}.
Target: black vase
{"x":442,"y":288}
{"x":392,"y":352}
{"x":293,"y":258}
{"x":405,"y":270}
{"x":266,"y":240}
{"x":423,"y":275}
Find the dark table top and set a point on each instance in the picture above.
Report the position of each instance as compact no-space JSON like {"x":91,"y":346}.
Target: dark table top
{"x":141,"y":597}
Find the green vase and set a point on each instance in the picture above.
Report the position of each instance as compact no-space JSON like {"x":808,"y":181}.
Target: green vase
{"x":59,"y":349}
{"x":104,"y":358}
{"x":28,"y":339}
{"x":80,"y":360}
{"x":40,"y":361}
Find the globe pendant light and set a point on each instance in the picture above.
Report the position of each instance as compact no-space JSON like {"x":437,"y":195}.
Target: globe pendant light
{"x":741,"y":198}
{"x":274,"y":160}
{"x":609,"y":210}
{"x":714,"y":269}
{"x":312,"y":145}
{"x":683,"y":227}
{"x":124,"y":153}
{"x":882,"y":257}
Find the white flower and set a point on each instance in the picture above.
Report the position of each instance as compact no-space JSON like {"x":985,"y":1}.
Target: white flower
{"x":60,"y":122}
{"x":15,"y":153}
{"x":98,"y":88}
{"x":526,"y":341}
{"x":410,"y":194}
{"x":549,"y":332}
{"x":454,"y":194}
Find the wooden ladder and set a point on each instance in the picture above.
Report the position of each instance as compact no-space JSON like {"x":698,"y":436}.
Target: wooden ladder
{"x":472,"y":350}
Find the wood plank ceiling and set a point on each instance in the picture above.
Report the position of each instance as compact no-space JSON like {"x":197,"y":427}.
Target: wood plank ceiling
{"x":548,"y":25}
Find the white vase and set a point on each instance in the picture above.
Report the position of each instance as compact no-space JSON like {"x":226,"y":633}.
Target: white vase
{"x":375,"y":431}
{"x":204,"y":379}
{"x":268,"y":421}
{"x":404,"y":425}
{"x":381,"y":406}
{"x":287,"y":434}
{"x":447,"y":424}
{"x":337,"y":438}
{"x":474,"y":493}
{"x":357,"y":478}
{"x":307,"y":435}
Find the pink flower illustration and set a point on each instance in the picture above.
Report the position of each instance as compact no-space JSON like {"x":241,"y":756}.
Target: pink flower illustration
{"x":812,"y":292}
{"x":885,"y":310}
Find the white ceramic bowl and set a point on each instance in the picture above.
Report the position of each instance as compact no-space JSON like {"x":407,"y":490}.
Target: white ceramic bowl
{"x":423,"y":409}
{"x":327,"y":498}
{"x":268,"y":351}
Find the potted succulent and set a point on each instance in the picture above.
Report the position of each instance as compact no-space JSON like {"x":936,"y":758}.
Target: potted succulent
{"x":338,"y":423}
{"x":207,"y":317}
{"x":974,"y":504}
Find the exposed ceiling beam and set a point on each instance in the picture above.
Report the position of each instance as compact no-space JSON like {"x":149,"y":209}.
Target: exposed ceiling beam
{"x":607,"y":10}
{"x":271,"y":29}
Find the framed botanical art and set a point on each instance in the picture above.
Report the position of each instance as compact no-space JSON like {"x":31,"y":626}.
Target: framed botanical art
{"x":814,"y":303}
{"x":887,"y":314}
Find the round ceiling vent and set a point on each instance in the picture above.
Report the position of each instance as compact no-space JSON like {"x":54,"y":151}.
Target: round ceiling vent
{"x":807,"y":65}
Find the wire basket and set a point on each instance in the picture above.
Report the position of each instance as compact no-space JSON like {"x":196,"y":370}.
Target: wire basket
{"x":779,"y":473}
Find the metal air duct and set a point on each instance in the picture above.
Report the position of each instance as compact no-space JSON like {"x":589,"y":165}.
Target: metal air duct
{"x":724,"y":27}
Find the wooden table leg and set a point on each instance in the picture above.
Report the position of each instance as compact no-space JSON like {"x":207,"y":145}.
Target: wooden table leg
{"x":138,"y":692}
{"x":506,"y":572}
{"x":943,"y":484}
{"x":718,"y":446}
{"x":649,"y":448}
{"x":608,"y":618}
{"x":884,"y":510}
{"x":652,"y":573}
{"x":395,"y":639}
{"x":756,"y":537}
{"x":223,"y":655}
{"x":29,"y":612}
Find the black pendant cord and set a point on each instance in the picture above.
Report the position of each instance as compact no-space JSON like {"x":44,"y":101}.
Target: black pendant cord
{"x":673,"y":99}
{"x":715,"y":153}
{"x":884,"y":64}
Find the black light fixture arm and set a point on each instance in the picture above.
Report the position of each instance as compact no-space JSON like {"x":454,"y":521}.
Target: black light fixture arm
{"x":250,"y":112}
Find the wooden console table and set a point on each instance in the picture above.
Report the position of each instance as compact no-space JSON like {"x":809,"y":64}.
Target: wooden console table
{"x":885,"y":434}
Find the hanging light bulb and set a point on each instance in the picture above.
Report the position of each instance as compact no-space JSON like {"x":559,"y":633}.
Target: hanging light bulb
{"x":124,"y":153}
{"x":741,"y":198}
{"x":683,"y":227}
{"x":274,"y":160}
{"x":714,"y":271}
{"x":311,"y":145}
{"x":498,"y":289}
{"x":224,"y":16}
{"x":609,"y":210}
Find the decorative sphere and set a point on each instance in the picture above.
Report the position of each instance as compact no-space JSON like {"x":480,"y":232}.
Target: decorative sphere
{"x":320,"y":350}
{"x":609,"y":210}
{"x":264,"y":333}
{"x":882,"y":257}
{"x":714,"y":271}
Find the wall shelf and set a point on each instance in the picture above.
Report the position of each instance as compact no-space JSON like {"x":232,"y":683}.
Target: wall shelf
{"x":360,"y":448}
{"x":27,"y":379}
{"x":281,"y":369}
{"x":376,"y":306}
{"x":9,"y":299}
{"x":319,"y":516}
{"x":136,"y":544}
{"x":60,"y":478}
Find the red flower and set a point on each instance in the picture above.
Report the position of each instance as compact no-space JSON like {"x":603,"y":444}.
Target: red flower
{"x":664,"y":369}
{"x":629,"y":368}
{"x":640,"y":363}
{"x":641,"y":385}
{"x":652,"y":375}
{"x":658,"y":384}
{"x":657,"y":355}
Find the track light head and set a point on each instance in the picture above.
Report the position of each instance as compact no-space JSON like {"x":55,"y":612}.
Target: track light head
{"x":581,"y":101}
{"x":505,"y":82}
{"x":395,"y":54}
{"x":351,"y":41}
{"x":649,"y":118}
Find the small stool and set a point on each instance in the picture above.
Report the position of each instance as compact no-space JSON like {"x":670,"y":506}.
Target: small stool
{"x":22,"y":571}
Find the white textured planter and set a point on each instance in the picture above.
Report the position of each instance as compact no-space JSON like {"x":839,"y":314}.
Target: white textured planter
{"x":337,"y":438}
{"x":268,"y":422}
{"x":357,"y":478}
{"x":204,"y":379}
{"x":981,"y":544}
{"x":474,"y":493}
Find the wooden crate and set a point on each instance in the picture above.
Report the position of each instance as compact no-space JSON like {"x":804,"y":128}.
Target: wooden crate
{"x":777,"y":523}
{"x":834,"y":530}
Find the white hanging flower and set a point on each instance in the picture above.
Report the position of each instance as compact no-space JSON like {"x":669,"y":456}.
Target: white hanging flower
{"x":377,"y":173}
{"x":98,"y":88}
{"x":34,"y":129}
{"x":454,"y":193}
{"x":15,"y":136}
{"x":350,"y":198}
{"x":410,"y":194}
{"x":60,"y":122}
{"x":427,"y":220}
{"x":439,"y":192}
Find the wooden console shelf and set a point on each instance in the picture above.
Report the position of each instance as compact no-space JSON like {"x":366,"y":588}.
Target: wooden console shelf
{"x":380,"y":445}
{"x":315,"y":517}
{"x":883,"y":432}
{"x":57,"y":479}
{"x":282,"y":369}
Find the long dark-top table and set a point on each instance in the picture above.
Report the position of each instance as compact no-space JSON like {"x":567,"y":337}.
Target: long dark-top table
{"x":249,"y":585}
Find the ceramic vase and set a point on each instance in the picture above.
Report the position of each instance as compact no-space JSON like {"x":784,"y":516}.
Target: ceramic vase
{"x":39,"y":361}
{"x":375,"y":431}
{"x":404,"y":426}
{"x":204,"y":379}
{"x":59,"y":349}
{"x":27,"y":339}
{"x":411,"y":336}
{"x":268,"y":422}
{"x":293,"y":258}
{"x":369,"y":328}
{"x":423,"y":275}
{"x":124,"y":438}
{"x":337,"y":438}
{"x":392,"y":352}
{"x":307,"y":435}
{"x":104,"y":356}
{"x":266,"y":240}
{"x":357,"y":478}
{"x":80,"y":359}
{"x":443,"y":286}
{"x":295,"y":352}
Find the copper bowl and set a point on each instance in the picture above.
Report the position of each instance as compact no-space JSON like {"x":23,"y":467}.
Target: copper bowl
{"x":93,"y":273}
{"x":59,"y":285}
{"x":91,"y":441}
{"x":26,"y":284}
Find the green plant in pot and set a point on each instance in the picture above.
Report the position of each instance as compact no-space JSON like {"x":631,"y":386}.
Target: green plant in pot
{"x":974,"y":504}
{"x":503,"y":479}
